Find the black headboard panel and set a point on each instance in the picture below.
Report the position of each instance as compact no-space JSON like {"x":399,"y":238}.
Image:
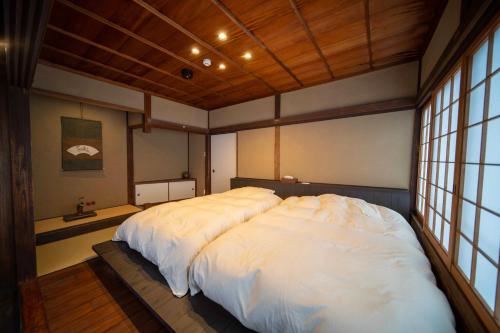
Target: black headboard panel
{"x":395,"y":199}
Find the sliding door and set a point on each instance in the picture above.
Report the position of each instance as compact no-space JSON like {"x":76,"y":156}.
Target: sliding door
{"x":223,"y":161}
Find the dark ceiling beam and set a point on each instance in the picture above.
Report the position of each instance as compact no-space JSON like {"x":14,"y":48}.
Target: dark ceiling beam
{"x":200,"y":41}
{"x":125,"y":56}
{"x":368,"y":32}
{"x":250,"y":34}
{"x":310,"y":36}
{"x":116,"y":70}
{"x":121,"y":84}
{"x":141,"y":39}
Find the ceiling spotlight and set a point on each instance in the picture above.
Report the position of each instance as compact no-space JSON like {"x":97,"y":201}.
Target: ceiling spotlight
{"x":187,"y":73}
{"x":207,"y":62}
{"x":247,"y":55}
{"x":222,"y":66}
{"x":195,"y":50}
{"x":222,"y":36}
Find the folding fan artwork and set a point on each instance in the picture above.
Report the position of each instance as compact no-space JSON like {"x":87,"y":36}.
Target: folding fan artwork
{"x":81,"y":144}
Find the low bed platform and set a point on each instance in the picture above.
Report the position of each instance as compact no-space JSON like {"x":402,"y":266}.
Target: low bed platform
{"x":198,"y":313}
{"x":186,"y":314}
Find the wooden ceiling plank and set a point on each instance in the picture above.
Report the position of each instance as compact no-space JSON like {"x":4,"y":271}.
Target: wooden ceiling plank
{"x":368,"y":31}
{"x":121,"y":84}
{"x":139,"y":38}
{"x":250,"y":34}
{"x":203,"y":43}
{"x":116,"y":70}
{"x":311,"y":36}
{"x":125,"y":56}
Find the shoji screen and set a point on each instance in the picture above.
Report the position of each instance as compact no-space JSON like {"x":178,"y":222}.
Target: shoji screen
{"x":479,"y":206}
{"x":443,"y":142}
{"x":423,"y":159}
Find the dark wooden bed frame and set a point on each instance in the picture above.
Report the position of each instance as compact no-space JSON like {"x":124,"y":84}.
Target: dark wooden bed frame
{"x":198,"y":313}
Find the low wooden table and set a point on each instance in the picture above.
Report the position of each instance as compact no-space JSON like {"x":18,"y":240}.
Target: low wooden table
{"x":62,"y":244}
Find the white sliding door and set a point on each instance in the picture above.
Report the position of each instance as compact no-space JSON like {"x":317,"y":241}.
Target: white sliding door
{"x":223,"y":161}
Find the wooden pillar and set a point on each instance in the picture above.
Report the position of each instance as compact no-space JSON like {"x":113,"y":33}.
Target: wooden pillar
{"x":8,"y":276}
{"x":23,"y":28}
{"x":277,"y":115}
{"x":147,"y":114}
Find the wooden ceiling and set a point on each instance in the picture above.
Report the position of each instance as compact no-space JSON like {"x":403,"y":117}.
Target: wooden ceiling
{"x":294,"y":43}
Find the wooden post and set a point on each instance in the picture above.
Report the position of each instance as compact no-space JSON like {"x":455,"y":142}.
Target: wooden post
{"x":147,"y":114}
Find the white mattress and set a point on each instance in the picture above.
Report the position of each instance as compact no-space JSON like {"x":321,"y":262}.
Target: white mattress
{"x":171,"y":235}
{"x":323,"y":264}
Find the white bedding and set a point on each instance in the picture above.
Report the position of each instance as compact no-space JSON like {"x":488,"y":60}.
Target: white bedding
{"x":323,"y":264}
{"x":171,"y":235}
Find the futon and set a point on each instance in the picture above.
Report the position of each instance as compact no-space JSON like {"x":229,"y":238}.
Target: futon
{"x":170,"y":235}
{"x":323,"y":264}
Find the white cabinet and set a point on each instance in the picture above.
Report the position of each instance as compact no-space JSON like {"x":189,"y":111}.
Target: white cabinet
{"x":151,"y":193}
{"x":165,"y":190}
{"x":181,"y":190}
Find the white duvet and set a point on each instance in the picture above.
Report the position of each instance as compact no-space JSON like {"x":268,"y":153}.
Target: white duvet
{"x":171,"y":235}
{"x":323,"y":264}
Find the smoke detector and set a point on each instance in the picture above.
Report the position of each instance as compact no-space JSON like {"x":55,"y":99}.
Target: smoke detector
{"x":207,"y":62}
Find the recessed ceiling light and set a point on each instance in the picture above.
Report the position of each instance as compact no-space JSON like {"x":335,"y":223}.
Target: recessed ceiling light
{"x":247,"y":55}
{"x":222,"y":66}
{"x":195,"y":50}
{"x":222,"y":36}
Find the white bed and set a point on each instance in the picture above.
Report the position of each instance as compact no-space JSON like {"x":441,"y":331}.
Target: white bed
{"x":171,"y":235}
{"x":323,"y":264}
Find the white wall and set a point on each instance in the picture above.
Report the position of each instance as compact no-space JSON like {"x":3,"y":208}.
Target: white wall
{"x":259,"y":109}
{"x":393,"y":82}
{"x":167,"y":110}
{"x":60,"y":81}
{"x":448,"y":24}
{"x":389,"y":83}
{"x":57,"y":80}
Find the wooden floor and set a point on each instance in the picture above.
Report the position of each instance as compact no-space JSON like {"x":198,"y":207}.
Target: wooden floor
{"x":90,"y":297}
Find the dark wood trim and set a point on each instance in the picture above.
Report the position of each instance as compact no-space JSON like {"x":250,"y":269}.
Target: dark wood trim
{"x":393,"y":105}
{"x":34,"y":318}
{"x":277,"y":136}
{"x":257,"y":41}
{"x":125,"y":56}
{"x":136,"y":126}
{"x":116,"y":70}
{"x":415,"y":149}
{"x":466,"y":318}
{"x":208,"y":167}
{"x":198,"y":40}
{"x":140,"y":39}
{"x":188,"y":166}
{"x":80,"y":229}
{"x":433,"y":26}
{"x":84,"y":100}
{"x":9,"y":314}
{"x":368,"y":32}
{"x":155,"y":123}
{"x":277,"y":152}
{"x":469,"y":29}
{"x":277,"y":106}
{"x":130,"y":165}
{"x":310,"y":36}
{"x":147,"y":114}
{"x":172,"y":180}
{"x":237,"y":154}
{"x":20,"y":149}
